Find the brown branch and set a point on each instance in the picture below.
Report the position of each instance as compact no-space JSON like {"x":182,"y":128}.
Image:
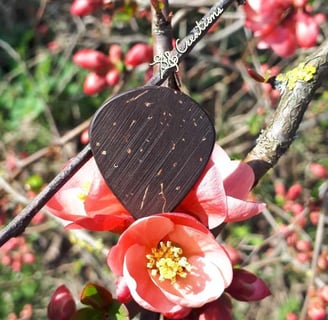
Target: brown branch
{"x":275,"y":140}
{"x":162,"y":34}
{"x":189,"y":42}
{"x":20,"y":222}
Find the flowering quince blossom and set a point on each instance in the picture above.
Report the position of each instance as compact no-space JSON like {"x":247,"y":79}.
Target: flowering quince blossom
{"x":87,"y":201}
{"x":171,"y":263}
{"x":219,"y":194}
{"x":283,"y":25}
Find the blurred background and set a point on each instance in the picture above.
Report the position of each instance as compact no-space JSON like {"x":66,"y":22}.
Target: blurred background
{"x":47,"y":99}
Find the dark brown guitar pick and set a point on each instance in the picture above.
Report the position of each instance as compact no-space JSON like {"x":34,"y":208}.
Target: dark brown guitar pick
{"x":151,"y":144}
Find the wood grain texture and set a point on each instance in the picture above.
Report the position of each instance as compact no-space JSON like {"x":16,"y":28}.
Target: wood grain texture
{"x":151,"y":144}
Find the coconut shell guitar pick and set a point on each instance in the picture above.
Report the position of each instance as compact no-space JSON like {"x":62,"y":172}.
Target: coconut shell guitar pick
{"x":151,"y":144}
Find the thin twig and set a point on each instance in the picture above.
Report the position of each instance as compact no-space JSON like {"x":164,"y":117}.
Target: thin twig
{"x":20,"y":222}
{"x":175,"y":56}
{"x":162,"y":35}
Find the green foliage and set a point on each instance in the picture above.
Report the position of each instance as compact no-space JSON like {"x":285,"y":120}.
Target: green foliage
{"x":103,"y":306}
{"x":41,"y":93}
{"x":20,"y":288}
{"x":88,"y":314}
{"x":290,"y":305}
{"x":255,"y":123}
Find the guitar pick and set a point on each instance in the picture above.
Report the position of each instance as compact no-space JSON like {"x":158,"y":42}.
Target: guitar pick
{"x":151,"y":144}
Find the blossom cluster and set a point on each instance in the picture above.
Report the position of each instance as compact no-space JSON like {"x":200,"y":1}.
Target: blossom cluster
{"x":170,"y":262}
{"x":105,"y":70}
{"x":283,"y":25}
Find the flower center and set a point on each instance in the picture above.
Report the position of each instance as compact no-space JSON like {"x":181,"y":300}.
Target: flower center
{"x":168,"y":262}
{"x":85,"y":188}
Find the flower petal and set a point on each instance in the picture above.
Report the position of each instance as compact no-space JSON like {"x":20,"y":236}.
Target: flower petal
{"x":207,"y":199}
{"x":239,"y":210}
{"x":66,"y":204}
{"x":203,"y":284}
{"x":114,"y":222}
{"x":147,"y":232}
{"x":211,"y":269}
{"x":144,"y":292}
{"x":101,"y":199}
{"x":196,"y":243}
{"x":238,"y":179}
{"x":219,"y":156}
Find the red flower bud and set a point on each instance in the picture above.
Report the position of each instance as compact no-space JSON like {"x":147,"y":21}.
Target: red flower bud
{"x":220,"y":309}
{"x":255,"y":75}
{"x":92,"y":60}
{"x":291,"y":316}
{"x":323,"y":293}
{"x":296,"y":208}
{"x":294,"y":191}
{"x":323,"y":261}
{"x":303,"y":245}
{"x":123,"y":293}
{"x":246,"y":286}
{"x":280,"y":189}
{"x":84,"y":7}
{"x":138,"y":54}
{"x":112,"y":77}
{"x":61,"y":305}
{"x":316,"y":309}
{"x":115,"y":53}
{"x":94,"y":83}
{"x":303,"y":257}
{"x":319,"y":170}
{"x":314,"y":217}
{"x":84,"y":138}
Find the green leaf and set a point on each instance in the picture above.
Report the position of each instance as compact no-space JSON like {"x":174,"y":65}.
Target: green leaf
{"x":96,"y":296}
{"x":117,"y":311}
{"x":88,"y":314}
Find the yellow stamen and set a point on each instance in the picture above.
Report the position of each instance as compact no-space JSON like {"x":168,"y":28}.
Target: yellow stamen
{"x":86,"y":185}
{"x":167,"y":262}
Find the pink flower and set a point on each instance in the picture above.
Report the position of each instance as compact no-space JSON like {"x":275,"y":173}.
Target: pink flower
{"x":88,"y":203}
{"x":247,"y":287}
{"x":218,"y":196}
{"x":282,"y":25}
{"x":220,"y":193}
{"x":171,"y":262}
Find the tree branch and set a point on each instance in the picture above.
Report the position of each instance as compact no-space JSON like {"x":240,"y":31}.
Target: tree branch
{"x":20,"y":222}
{"x":275,"y":140}
{"x":171,"y":59}
{"x":162,"y":35}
